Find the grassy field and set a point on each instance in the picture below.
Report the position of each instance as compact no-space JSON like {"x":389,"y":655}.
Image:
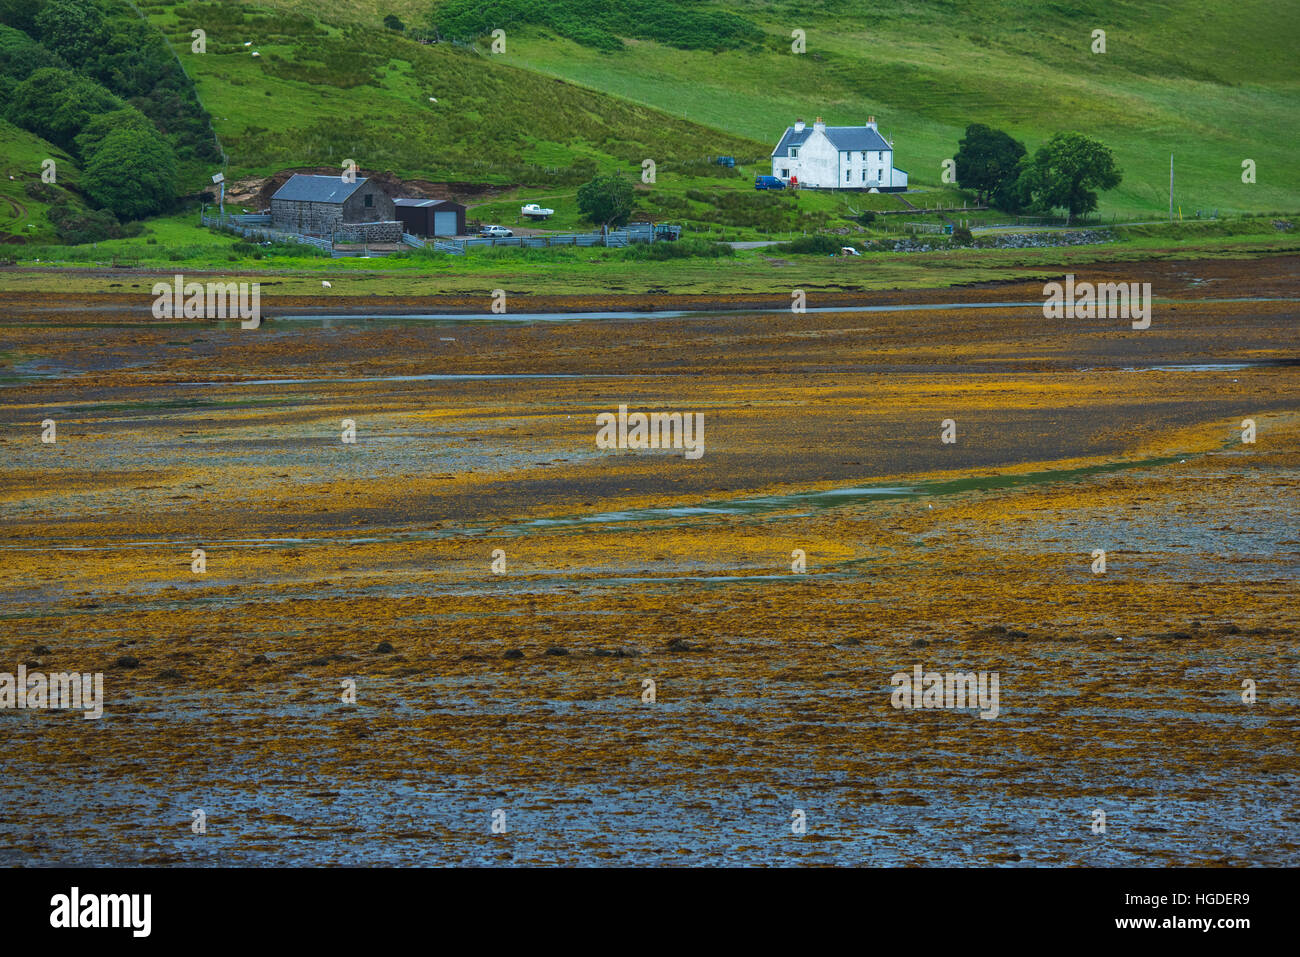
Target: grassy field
{"x":181,"y":247}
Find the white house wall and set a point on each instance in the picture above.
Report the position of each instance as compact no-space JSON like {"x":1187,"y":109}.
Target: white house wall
{"x":820,"y":164}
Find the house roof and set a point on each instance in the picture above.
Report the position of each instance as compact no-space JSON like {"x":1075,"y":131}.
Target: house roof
{"x":304,"y":187}
{"x":791,"y":138}
{"x":841,"y":137}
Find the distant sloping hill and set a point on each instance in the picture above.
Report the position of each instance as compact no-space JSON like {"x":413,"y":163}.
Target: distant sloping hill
{"x":319,"y":93}
{"x":1214,"y":84}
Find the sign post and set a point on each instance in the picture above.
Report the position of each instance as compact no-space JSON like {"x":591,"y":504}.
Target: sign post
{"x":221,"y":178}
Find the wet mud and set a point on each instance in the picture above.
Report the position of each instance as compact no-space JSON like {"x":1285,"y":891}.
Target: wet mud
{"x":521,"y":689}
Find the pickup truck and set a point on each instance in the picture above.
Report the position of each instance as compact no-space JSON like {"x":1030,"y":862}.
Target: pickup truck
{"x":533,"y":211}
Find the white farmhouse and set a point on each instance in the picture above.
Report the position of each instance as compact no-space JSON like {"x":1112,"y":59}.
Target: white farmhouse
{"x":837,"y":157}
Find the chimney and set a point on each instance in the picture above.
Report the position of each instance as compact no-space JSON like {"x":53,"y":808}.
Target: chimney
{"x":819,"y":126}
{"x":798,"y":125}
{"x":871,"y":122}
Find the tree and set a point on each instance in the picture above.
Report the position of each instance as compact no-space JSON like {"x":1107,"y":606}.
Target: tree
{"x":132,"y":172}
{"x":57,"y":104}
{"x":1067,"y":170}
{"x":98,"y":128}
{"x":986,"y":160}
{"x":73,"y":29}
{"x":21,"y":56}
{"x":607,"y":200}
{"x":393,"y":23}
{"x":1015,"y":195}
{"x":20,"y":14}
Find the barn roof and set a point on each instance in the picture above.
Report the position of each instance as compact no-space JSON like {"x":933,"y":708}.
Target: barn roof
{"x":425,"y":203}
{"x":841,"y":137}
{"x":304,"y":187}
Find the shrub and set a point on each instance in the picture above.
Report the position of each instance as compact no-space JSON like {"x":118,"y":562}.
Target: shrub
{"x":41,"y":191}
{"x":76,"y":225}
{"x":681,"y":249}
{"x":812,"y":245}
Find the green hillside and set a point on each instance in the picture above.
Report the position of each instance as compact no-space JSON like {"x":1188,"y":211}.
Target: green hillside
{"x":595,"y":84}
{"x":322,"y":92}
{"x":1212,"y":84}
{"x":21,"y":213}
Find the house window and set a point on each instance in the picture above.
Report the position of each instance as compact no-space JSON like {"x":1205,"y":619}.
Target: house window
{"x":370,"y":200}
{"x":864,"y":156}
{"x":864,"y":176}
{"x":785,"y":174}
{"x":848,"y":175}
{"x":794,"y":152}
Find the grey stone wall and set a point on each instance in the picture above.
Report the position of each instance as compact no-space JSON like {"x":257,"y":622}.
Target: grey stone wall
{"x":380,"y":210}
{"x":322,"y":219}
{"x":300,"y":216}
{"x":389,"y":232}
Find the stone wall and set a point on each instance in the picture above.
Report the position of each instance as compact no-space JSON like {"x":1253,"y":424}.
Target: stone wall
{"x":301,"y":216}
{"x":323,"y":219}
{"x":379,"y":210}
{"x":390,"y":232}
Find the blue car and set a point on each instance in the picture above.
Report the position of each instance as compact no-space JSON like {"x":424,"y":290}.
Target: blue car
{"x":768,"y":182}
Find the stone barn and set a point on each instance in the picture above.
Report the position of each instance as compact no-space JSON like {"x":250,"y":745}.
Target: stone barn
{"x":431,"y":217}
{"x":326,"y":205}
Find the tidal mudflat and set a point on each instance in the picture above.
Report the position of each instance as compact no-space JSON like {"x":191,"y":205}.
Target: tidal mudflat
{"x":519,"y":688}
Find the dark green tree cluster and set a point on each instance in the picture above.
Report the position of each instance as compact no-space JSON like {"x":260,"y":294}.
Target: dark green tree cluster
{"x":988,"y":162}
{"x":1064,"y":173}
{"x":94,"y":79}
{"x":600,"y":23}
